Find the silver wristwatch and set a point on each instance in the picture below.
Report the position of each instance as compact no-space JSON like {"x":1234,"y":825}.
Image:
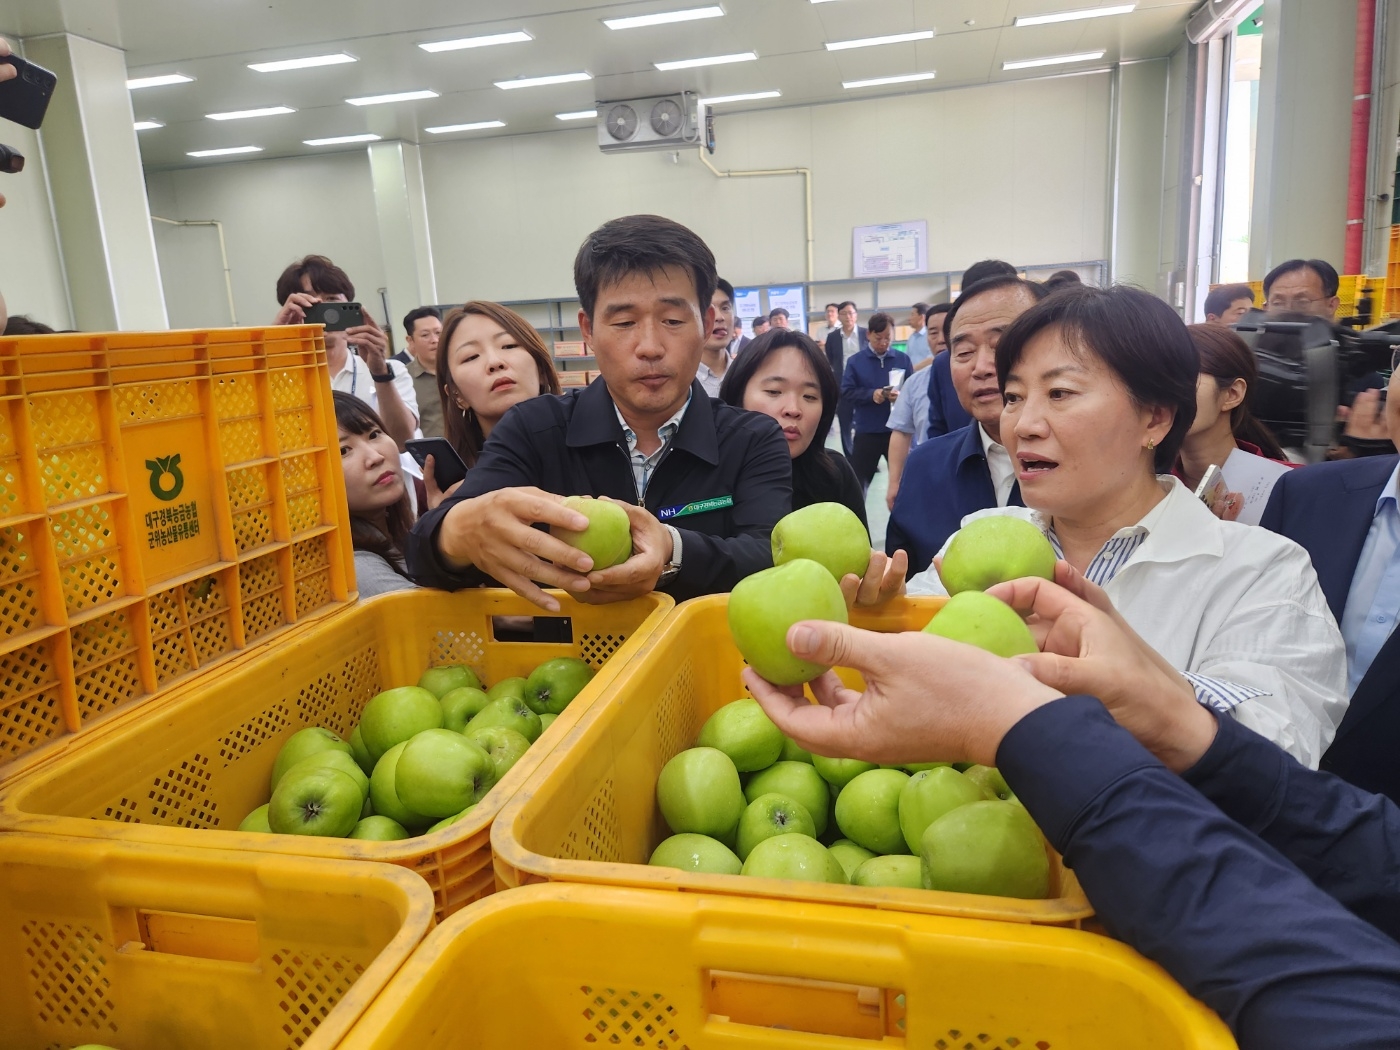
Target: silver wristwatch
{"x":673,"y":566}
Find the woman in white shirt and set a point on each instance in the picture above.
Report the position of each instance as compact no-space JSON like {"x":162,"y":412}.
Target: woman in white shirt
{"x":1100,"y":390}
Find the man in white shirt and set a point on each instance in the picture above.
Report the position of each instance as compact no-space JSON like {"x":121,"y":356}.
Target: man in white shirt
{"x":715,"y":355}
{"x":356,"y":357}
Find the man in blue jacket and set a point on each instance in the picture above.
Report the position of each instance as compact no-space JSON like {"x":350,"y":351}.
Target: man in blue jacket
{"x":870,"y":386}
{"x":1345,"y":515}
{"x":951,"y":476}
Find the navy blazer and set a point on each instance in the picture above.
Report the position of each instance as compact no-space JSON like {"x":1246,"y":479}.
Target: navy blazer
{"x":945,"y":411}
{"x":1328,"y":509}
{"x":944,"y":480}
{"x":866,"y":373}
{"x":836,"y":349}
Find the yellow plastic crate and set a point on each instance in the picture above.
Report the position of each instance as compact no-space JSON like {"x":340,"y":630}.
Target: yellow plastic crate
{"x":563,"y":966}
{"x":167,"y":500}
{"x":589,"y":813}
{"x":188,"y":770}
{"x":149,"y":948}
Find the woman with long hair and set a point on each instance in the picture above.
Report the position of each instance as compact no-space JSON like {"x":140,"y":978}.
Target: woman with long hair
{"x":381,"y":510}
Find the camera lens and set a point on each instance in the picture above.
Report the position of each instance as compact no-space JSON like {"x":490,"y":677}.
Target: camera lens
{"x":332,"y":316}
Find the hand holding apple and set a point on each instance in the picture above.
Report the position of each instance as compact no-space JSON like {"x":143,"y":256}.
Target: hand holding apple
{"x":608,"y":538}
{"x":763,"y":606}
{"x":829,"y":534}
{"x":640,"y":573}
{"x":992,"y":550}
{"x":883,"y":580}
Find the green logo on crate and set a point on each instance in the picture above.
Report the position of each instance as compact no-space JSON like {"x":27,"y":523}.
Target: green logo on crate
{"x":161,"y":469}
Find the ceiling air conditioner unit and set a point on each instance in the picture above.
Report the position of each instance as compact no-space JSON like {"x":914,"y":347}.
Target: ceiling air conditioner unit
{"x":660,"y":122}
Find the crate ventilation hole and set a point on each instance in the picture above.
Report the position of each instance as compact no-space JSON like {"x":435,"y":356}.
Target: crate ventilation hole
{"x":630,"y":1019}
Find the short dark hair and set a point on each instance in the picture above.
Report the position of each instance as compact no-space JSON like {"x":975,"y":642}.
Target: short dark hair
{"x":1035,"y":290}
{"x":760,"y":319}
{"x":414,"y":316}
{"x":829,"y":306}
{"x":777,"y":311}
{"x":936,"y":309}
{"x":878,"y":322}
{"x":842,"y":306}
{"x":738,"y":323}
{"x":326,"y":278}
{"x":1225,"y":357}
{"x":1060,"y":278}
{"x":641,"y":244}
{"x":1136,"y":335}
{"x":980,"y":271}
{"x":1326,"y":273}
{"x":921,"y":307}
{"x":721,"y":285}
{"x":22,"y":324}
{"x":1227,"y":295}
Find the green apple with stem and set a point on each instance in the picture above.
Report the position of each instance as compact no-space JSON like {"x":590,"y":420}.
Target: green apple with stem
{"x":849,"y":855}
{"x":699,"y":792}
{"x":799,"y":782}
{"x":990,"y":847}
{"x":257,"y":820}
{"x":316,"y":801}
{"x":770,"y":815}
{"x":793,"y":856}
{"x":447,"y":822}
{"x":508,"y":687}
{"x":993,"y":550}
{"x":763,"y":606}
{"x":927,"y":795}
{"x":379,"y":829}
{"x":444,"y":678}
{"x":303,"y":744}
{"x":441,"y":772}
{"x":397,"y":715}
{"x":511,"y":712}
{"x":986,"y":622}
{"x":460,"y":706}
{"x":990,"y":780}
{"x":743,"y":732}
{"x":829,"y":534}
{"x":504,"y":746}
{"x":553,"y":684}
{"x":608,"y":537}
{"x":385,"y":797}
{"x":337,"y":760}
{"x":838,"y":772}
{"x":896,"y":870}
{"x":867,"y":810}
{"x":699,"y":853}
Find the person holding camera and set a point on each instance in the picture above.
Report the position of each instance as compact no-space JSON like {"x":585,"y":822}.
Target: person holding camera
{"x":870,"y":386}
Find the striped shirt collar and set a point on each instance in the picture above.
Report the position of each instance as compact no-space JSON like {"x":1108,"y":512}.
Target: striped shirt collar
{"x":643,"y":465}
{"x":1121,"y":546}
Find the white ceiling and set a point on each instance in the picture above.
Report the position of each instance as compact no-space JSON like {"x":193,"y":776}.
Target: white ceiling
{"x":214,"y":40}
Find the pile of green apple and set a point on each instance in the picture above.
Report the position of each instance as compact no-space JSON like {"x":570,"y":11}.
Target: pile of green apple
{"x":420,"y":758}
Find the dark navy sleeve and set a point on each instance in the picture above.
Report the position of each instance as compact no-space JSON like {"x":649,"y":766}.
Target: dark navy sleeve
{"x":1346,"y":840}
{"x":1244,"y":931}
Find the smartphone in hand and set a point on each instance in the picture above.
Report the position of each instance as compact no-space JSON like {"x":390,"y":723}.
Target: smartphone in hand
{"x":1212,"y":487}
{"x":25,"y":98}
{"x":448,"y":468}
{"x":337,"y":317}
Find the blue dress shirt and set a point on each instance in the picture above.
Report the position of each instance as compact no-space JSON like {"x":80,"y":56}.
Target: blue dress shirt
{"x":917,"y":346}
{"x":1373,"y":602}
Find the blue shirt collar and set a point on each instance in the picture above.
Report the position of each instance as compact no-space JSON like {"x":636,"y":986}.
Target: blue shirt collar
{"x":1391,"y":491}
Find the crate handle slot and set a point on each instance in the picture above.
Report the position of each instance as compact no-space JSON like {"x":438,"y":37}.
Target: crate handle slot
{"x":536,"y":629}
{"x":194,"y":936}
{"x":798,"y":1004}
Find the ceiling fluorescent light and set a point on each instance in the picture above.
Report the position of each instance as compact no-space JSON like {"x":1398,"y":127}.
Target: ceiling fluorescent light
{"x":160,"y":81}
{"x":557,"y":78}
{"x":398,"y":96}
{"x":240,"y":114}
{"x":713,"y":60}
{"x":664,"y":18}
{"x":517,"y":37}
{"x":750,"y":96}
{"x":147,"y":125}
{"x":581,"y":114}
{"x":1073,"y":16}
{"x":480,"y":125}
{"x":226,"y":151}
{"x":908,"y":78}
{"x":301,"y":63}
{"x":1054,"y":60}
{"x":872,"y":41}
{"x":341,"y":140}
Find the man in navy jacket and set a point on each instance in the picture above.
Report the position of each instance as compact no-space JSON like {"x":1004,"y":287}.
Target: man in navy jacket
{"x":1345,"y":515}
{"x":869,"y":387}
{"x":951,"y":476}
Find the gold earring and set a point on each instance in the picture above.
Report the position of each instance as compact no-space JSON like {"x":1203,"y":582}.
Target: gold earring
{"x":1151,"y":444}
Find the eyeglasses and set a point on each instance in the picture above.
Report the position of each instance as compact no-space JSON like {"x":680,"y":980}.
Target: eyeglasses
{"x":1296,"y":305}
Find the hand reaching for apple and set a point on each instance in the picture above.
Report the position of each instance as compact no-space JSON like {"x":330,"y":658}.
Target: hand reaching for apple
{"x":926,"y":698}
{"x":883,"y":580}
{"x":638,"y":575}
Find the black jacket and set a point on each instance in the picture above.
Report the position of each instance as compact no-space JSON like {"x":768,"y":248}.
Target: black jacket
{"x":836,"y":349}
{"x":572,"y":444}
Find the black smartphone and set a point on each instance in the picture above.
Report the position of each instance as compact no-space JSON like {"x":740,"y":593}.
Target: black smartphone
{"x":337,"y":317}
{"x":448,"y":468}
{"x":25,"y":98}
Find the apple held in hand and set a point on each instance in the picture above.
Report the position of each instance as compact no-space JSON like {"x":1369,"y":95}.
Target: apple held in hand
{"x":554,"y":683}
{"x":441,"y":772}
{"x":257,"y":821}
{"x":397,"y":715}
{"x":995,"y":549}
{"x":849,"y":855}
{"x":992,"y":782}
{"x":793,"y":857}
{"x":897,"y":870}
{"x":444,"y":678}
{"x":927,"y":795}
{"x":838,"y":772}
{"x":378,"y":829}
{"x":690,"y":852}
{"x":508,"y":687}
{"x":827,"y":533}
{"x":763,"y":606}
{"x":867,"y":810}
{"x":770,"y":815}
{"x":504,"y":746}
{"x":511,"y":712}
{"x":460,"y":706}
{"x":318,"y":801}
{"x":986,"y":847}
{"x":986,"y":622}
{"x":384,"y":796}
{"x":303,"y":744}
{"x":698,"y":792}
{"x":797,"y":781}
{"x":743,"y":732}
{"x":608,"y":538}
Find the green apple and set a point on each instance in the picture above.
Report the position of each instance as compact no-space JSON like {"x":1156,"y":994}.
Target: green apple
{"x":829,"y":534}
{"x":799,"y":782}
{"x":849,"y":855}
{"x":303,"y":744}
{"x":986,"y":622}
{"x":990,"y":780}
{"x":441,"y":772}
{"x":698,"y":792}
{"x":988,"y":847}
{"x":993,"y":550}
{"x":379,"y":829}
{"x":867,"y":810}
{"x":929,"y":794}
{"x":461,"y":705}
{"x":838,"y":772}
{"x":359,"y":752}
{"x":257,"y":820}
{"x":337,"y":760}
{"x":504,"y":746}
{"x":792,"y":753}
{"x":508,"y":687}
{"x":743,"y":732}
{"x":554,"y":683}
{"x":447,"y":822}
{"x":770,"y":815}
{"x":395,"y":716}
{"x":444,"y":678}
{"x":546,"y":720}
{"x":793,"y":856}
{"x":696,"y":853}
{"x":894,"y":870}
{"x":385,"y":797}
{"x":315,"y":801}
{"x":919,"y":767}
{"x":763,"y":606}
{"x":511,"y":712}
{"x":608,"y":537}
